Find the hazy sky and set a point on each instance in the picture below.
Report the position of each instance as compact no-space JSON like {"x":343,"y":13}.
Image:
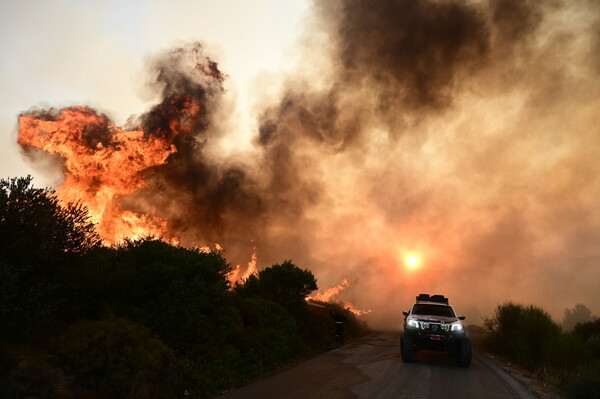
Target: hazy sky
{"x":62,"y":53}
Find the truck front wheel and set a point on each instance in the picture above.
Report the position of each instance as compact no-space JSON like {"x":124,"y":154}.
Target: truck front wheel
{"x":464,"y":353}
{"x":407,"y":350}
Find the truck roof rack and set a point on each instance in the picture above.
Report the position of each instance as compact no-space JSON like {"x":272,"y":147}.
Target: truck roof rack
{"x":432,"y":298}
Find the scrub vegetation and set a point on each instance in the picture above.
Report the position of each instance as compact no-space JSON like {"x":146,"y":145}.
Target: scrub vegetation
{"x":143,"y":319}
{"x":527,"y":336}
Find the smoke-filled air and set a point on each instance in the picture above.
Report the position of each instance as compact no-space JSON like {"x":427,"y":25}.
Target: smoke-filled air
{"x":445,"y":147}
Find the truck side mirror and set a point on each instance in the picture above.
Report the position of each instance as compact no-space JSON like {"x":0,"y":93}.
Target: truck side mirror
{"x":405,"y":313}
{"x":461,"y":317}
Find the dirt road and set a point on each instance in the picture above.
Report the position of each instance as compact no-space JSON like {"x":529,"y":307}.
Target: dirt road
{"x":372,"y":368}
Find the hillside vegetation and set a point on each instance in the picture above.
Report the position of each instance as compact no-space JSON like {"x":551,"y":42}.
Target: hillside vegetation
{"x":527,"y":336}
{"x":143,"y":319}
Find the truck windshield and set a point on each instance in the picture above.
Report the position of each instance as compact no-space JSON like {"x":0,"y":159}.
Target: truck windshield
{"x":433,"y":310}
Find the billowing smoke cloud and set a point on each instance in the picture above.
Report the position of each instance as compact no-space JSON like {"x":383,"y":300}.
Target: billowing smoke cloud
{"x":463,"y":131}
{"x":204,"y":198}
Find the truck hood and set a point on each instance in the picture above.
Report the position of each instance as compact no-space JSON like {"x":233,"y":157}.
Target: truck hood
{"x":438,"y":319}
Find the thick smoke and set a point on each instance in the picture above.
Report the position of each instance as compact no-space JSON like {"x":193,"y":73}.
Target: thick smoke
{"x":465,"y":131}
{"x":205,"y":199}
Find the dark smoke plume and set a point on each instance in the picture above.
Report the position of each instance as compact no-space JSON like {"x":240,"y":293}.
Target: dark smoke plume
{"x":204,"y":200}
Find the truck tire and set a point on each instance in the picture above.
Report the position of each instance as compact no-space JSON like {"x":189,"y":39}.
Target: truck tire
{"x":407,"y":350}
{"x":464,"y":355}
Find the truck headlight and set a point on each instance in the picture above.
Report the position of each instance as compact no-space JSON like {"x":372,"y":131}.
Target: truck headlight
{"x":456,"y":327}
{"x":412,"y":323}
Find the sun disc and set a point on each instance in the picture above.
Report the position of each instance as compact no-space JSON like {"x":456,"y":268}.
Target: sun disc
{"x":412,"y":261}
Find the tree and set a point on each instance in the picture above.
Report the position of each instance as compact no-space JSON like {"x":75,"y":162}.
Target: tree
{"x":40,"y":239}
{"x":579,"y":314}
{"x":34,"y":225}
{"x":285,"y":283}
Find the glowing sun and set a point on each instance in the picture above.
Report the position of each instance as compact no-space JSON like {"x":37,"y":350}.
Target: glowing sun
{"x":412,"y":261}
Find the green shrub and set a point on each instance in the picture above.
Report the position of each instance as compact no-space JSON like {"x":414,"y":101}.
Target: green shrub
{"x":180,"y":294}
{"x":584,"y":383}
{"x":192,"y":380}
{"x":230,"y":355}
{"x":520,"y":332}
{"x":286,"y":284}
{"x":318,"y":326}
{"x":587,"y":329}
{"x":528,"y":336}
{"x":593,"y":344}
{"x":28,"y":302}
{"x":270,"y":336}
{"x":565,"y":352}
{"x":140,"y":271}
{"x":29,"y":381}
{"x":114,"y":357}
{"x":589,"y":332}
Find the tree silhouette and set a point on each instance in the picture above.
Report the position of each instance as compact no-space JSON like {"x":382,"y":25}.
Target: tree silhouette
{"x":579,"y":314}
{"x":285,"y":283}
{"x":40,"y":239}
{"x":33,"y":222}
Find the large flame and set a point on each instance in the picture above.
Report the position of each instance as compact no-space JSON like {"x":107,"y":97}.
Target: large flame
{"x":104,"y":162}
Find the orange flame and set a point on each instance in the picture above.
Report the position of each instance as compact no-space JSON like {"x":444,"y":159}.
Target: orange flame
{"x":332,"y":291}
{"x":354,"y":310}
{"x":104,"y":162}
{"x":237,"y":275}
